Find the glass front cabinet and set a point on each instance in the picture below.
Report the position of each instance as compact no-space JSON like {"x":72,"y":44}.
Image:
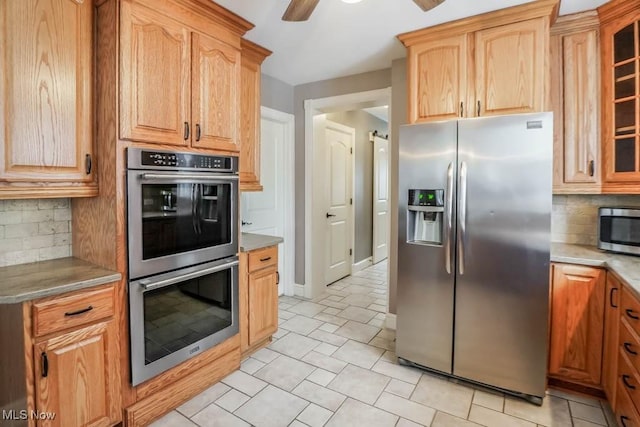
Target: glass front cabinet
{"x":620,"y":37}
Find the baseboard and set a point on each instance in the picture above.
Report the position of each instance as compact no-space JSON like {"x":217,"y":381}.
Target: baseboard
{"x":361,"y":265}
{"x":390,"y":321}
{"x":298,"y":290}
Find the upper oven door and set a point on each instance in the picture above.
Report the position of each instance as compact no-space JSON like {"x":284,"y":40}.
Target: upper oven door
{"x":178,"y":219}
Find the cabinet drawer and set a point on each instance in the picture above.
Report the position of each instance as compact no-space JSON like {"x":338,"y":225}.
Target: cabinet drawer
{"x":628,"y":376}
{"x":631,"y":310}
{"x":626,"y":413}
{"x":262,"y":258}
{"x":57,"y":314}
{"x":629,"y":345}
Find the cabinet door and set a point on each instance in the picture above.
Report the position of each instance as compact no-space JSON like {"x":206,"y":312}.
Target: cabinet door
{"x":581,"y":108}
{"x":577,"y":318}
{"x":263,"y":304}
{"x":438,"y":79}
{"x":610,"y":350}
{"x":250,"y":127}
{"x":511,"y":70}
{"x":216,"y":94}
{"x":46,"y":118}
{"x":621,"y":93}
{"x":155,"y":77}
{"x":77,"y":377}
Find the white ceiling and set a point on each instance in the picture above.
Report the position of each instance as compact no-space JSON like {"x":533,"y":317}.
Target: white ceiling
{"x":381,"y":112}
{"x":341,"y":39}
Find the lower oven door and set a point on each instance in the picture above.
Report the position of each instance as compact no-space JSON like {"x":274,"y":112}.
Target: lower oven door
{"x":177,"y":315}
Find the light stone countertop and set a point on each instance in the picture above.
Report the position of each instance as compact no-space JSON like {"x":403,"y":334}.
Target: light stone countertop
{"x":25,"y":282}
{"x":251,"y":241}
{"x":627,"y":267}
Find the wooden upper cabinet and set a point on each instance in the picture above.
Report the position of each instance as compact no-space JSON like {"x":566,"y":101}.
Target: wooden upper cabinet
{"x":216,"y":94}
{"x":577,"y":318}
{"x":510,"y":68}
{"x":250,"y":132}
{"x":46,"y":112}
{"x":575,"y":101}
{"x":155,"y":103}
{"x":620,"y":39}
{"x":494,"y":63}
{"x":178,"y":86}
{"x":438,"y":73}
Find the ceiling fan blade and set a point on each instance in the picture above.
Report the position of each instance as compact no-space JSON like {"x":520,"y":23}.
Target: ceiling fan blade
{"x":428,"y":4}
{"x":299,"y":10}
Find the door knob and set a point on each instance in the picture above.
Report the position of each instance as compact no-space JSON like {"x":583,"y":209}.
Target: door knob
{"x":246,"y":223}
{"x":329,"y":215}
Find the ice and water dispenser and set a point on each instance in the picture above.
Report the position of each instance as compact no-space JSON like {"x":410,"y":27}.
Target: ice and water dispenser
{"x":425,"y":212}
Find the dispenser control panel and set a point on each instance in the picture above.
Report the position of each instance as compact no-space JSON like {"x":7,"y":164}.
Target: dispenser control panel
{"x":426,"y":197}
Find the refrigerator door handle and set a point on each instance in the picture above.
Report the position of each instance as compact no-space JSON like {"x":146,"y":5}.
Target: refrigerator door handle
{"x":449,"y":218}
{"x":462,"y":215}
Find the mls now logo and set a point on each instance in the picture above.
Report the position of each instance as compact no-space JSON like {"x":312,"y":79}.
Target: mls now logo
{"x":26,"y":415}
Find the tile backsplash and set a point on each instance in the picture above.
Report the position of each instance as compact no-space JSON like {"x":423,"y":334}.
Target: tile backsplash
{"x":34,"y":230}
{"x":574,"y":218}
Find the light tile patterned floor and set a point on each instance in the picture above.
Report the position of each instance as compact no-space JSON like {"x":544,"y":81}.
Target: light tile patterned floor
{"x":331,"y":363}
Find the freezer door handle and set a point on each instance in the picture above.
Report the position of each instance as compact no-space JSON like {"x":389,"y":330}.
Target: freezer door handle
{"x":448,"y":219}
{"x":462,"y":215}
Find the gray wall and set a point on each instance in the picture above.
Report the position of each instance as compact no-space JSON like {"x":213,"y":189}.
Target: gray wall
{"x":341,"y":86}
{"x":276,"y":94}
{"x":363,"y":123}
{"x":398,"y":117}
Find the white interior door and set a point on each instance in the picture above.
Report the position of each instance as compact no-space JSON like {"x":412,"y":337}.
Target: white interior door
{"x":339,"y":142}
{"x":380,"y":199}
{"x":263,"y":212}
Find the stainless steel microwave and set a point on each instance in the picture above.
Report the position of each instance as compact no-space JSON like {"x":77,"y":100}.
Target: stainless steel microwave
{"x":619,"y":230}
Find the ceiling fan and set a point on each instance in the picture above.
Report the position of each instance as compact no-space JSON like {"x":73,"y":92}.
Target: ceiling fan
{"x":300,"y":10}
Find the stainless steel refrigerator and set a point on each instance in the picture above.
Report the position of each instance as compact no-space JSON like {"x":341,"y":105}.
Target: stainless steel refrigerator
{"x":473,"y":249}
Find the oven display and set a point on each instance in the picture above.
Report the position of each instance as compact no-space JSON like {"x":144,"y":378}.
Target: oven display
{"x":184,"y":160}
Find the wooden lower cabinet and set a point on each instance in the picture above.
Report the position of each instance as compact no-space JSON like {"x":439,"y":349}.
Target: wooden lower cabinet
{"x":259,"y":279}
{"x":610,"y":347}
{"x":76,"y":378}
{"x":577,"y":312}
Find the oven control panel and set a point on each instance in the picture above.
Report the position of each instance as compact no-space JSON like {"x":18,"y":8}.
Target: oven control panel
{"x":184,"y":160}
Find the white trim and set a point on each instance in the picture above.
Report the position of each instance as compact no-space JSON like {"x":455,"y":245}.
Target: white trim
{"x":288,"y":120}
{"x":390,"y":321}
{"x":313,"y":286}
{"x":299,"y":290}
{"x":361,"y":265}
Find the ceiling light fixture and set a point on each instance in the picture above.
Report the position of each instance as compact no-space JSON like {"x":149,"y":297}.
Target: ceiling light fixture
{"x":352,"y":1}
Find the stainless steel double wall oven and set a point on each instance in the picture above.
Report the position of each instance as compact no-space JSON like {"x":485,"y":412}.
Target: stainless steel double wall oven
{"x":182,"y":211}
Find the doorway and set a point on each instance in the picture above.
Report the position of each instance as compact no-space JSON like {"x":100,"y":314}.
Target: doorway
{"x":317,"y":257}
{"x":271,"y":210}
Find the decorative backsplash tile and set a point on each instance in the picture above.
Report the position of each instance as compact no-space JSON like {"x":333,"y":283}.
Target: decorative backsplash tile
{"x":574,"y":218}
{"x":34,"y":230}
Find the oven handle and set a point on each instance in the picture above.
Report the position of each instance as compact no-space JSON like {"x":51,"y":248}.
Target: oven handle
{"x":188,"y":276}
{"x":183,"y":176}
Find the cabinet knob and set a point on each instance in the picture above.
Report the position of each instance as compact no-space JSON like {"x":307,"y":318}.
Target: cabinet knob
{"x":461,"y":109}
{"x":45,"y":364}
{"x":478,"y":112}
{"x":627,"y":346}
{"x":87,"y":164}
{"x":186,"y":131}
{"x":631,"y":315}
{"x":198,"y":132}
{"x":277,"y":277}
{"x":611,"y":297}
{"x":592,"y":168}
